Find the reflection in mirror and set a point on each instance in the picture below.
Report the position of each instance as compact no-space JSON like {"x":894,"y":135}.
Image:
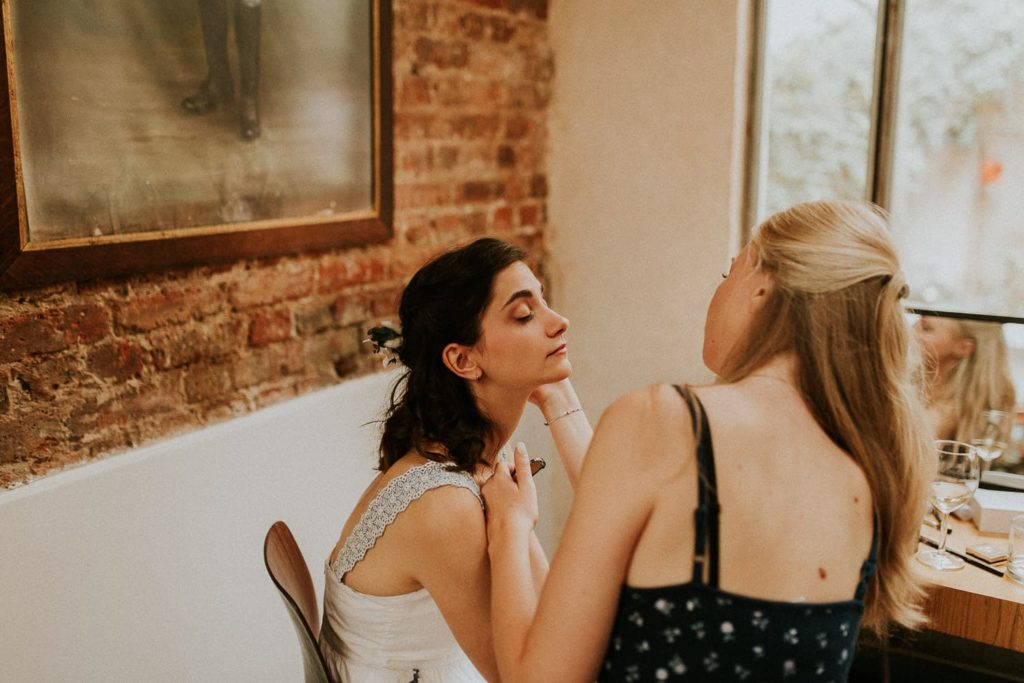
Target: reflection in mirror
{"x":958,"y":153}
{"x":974,"y":384}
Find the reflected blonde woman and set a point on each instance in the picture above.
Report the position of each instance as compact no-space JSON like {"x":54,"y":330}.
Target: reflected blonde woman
{"x":966,"y":372}
{"x":733,"y":531}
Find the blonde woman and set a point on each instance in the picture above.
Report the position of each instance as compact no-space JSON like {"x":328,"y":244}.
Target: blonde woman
{"x":732,"y":532}
{"x":966,"y":372}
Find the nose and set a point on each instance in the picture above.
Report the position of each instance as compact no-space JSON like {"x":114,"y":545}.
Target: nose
{"x":559,"y":324}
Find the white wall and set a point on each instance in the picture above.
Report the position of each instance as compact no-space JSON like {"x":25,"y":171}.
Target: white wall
{"x":645,"y":167}
{"x":149,"y":566}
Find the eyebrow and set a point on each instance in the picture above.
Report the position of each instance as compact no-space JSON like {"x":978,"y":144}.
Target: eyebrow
{"x":521,"y":294}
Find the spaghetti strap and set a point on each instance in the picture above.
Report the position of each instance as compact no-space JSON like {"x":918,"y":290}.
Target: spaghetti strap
{"x":705,"y":550}
{"x":393,"y":499}
{"x":867,"y":570}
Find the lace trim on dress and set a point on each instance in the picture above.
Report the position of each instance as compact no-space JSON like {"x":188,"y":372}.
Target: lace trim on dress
{"x":389,"y":502}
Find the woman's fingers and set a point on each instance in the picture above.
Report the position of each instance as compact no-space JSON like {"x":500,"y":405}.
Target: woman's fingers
{"x":522,"y":461}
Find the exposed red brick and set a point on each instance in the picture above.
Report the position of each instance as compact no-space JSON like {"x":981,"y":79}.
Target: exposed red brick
{"x":118,"y":360}
{"x":87,"y":323}
{"x":518,"y":127}
{"x":501,"y":31}
{"x":538,"y":8}
{"x":539,"y":186}
{"x":423,"y":194}
{"x":291,"y":279}
{"x":409,"y":126}
{"x":344,"y":271}
{"x":506,"y":156}
{"x":447,"y":157}
{"x":472,"y":26}
{"x":476,"y":126}
{"x":416,"y":16}
{"x":40,"y":378}
{"x":415,"y":91}
{"x":270,"y":326}
{"x":269,"y":364}
{"x":25,"y":334}
{"x":444,"y":55}
{"x":313,"y":318}
{"x":477,"y":191}
{"x":209,"y":382}
{"x":142,"y":313}
{"x":529,"y":215}
{"x":502,"y":218}
{"x":24,"y":435}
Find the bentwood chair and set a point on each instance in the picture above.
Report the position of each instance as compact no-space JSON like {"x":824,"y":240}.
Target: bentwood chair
{"x":290,"y":575}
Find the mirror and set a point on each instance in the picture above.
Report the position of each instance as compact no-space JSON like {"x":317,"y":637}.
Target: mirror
{"x":975,"y":365}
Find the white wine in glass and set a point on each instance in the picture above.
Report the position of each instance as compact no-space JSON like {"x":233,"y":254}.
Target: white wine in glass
{"x":955,"y":481}
{"x":991,"y":432}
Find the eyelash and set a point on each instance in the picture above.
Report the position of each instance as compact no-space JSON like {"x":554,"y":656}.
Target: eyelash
{"x":526,"y":318}
{"x":725,"y":276}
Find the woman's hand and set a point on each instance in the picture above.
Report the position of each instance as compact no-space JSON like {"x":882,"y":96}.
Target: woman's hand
{"x":568,"y":423}
{"x":555,"y":398}
{"x":511,"y":500}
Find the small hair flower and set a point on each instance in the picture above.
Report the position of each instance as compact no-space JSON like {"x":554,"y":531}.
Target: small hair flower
{"x":386,"y":338}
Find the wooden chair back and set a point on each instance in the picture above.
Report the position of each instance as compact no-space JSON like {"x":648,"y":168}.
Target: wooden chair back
{"x":290,"y":575}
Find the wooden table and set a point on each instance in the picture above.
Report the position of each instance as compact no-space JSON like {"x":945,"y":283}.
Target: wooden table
{"x":971,"y":603}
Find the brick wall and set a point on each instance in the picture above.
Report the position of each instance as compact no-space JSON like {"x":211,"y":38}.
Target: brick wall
{"x":89,"y":370}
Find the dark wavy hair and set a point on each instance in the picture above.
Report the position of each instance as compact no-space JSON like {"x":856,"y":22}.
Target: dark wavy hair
{"x":443,"y":304}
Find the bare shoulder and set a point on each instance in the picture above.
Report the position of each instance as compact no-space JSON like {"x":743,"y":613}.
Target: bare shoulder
{"x":448,"y":536}
{"x":642,"y":405}
{"x":448,"y":508}
{"x":639,"y":423}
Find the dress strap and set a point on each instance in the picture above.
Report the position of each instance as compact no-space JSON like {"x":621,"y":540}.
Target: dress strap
{"x":867,"y":570}
{"x":705,"y":550}
{"x":391,"y":500}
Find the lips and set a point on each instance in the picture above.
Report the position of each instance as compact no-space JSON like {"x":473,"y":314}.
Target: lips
{"x":560,"y":349}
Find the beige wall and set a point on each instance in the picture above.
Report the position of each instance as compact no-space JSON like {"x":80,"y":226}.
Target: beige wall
{"x":646,"y":136}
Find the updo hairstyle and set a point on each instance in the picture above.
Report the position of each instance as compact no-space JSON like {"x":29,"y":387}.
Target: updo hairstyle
{"x":433,"y":411}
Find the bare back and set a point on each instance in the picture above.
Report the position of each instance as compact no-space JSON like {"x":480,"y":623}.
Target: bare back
{"x":796,"y":521}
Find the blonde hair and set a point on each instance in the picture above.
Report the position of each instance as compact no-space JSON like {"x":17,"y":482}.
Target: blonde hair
{"x":836,"y":306}
{"x":981,"y":380}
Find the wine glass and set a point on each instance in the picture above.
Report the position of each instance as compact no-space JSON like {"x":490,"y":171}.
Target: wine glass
{"x":956,"y":480}
{"x":991,"y":431}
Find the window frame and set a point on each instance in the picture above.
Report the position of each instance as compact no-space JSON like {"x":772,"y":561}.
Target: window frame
{"x":881,"y":142}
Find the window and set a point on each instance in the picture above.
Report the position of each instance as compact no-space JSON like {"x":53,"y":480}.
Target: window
{"x":917,"y":106}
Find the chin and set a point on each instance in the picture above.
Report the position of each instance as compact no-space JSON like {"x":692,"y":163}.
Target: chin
{"x":563,"y":372}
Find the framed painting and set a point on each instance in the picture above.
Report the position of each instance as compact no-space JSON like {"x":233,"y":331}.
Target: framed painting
{"x":153,"y":134}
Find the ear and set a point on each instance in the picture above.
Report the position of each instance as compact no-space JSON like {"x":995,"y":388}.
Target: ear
{"x":761,"y":287}
{"x":460,"y":360}
{"x":964,"y":347}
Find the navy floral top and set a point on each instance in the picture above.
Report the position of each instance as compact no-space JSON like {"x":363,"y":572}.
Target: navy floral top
{"x":696,"y":631}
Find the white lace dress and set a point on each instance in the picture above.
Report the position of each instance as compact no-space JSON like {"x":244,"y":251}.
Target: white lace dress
{"x":396,"y":638}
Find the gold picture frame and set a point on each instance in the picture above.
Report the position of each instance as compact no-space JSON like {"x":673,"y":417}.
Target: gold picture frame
{"x":108,"y":167}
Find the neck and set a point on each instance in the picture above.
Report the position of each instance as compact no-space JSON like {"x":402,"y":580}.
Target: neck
{"x":938,"y":380}
{"x":504,"y":408}
{"x":782,"y":366}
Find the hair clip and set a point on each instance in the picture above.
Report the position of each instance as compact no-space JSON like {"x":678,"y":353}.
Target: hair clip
{"x":386,"y":338}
